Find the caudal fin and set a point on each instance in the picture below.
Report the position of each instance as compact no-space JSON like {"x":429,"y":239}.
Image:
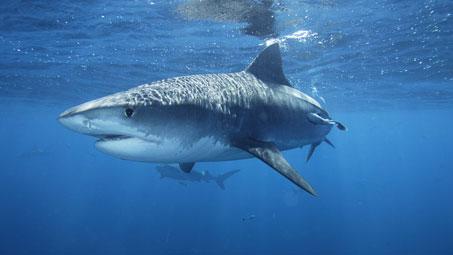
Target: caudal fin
{"x":221,"y":178}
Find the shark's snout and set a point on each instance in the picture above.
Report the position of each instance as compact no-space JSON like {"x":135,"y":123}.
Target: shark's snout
{"x":68,"y":113}
{"x":98,"y":118}
{"x":75,"y":119}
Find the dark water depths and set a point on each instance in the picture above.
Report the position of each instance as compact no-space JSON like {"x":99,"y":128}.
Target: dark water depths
{"x":384,"y":68}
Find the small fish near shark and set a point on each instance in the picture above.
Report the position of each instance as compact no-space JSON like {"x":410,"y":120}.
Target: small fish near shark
{"x":255,"y":112}
{"x":167,"y":171}
{"x":249,"y":217}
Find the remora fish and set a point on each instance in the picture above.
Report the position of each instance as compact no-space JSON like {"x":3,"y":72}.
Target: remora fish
{"x":171,"y":172}
{"x":211,"y":117}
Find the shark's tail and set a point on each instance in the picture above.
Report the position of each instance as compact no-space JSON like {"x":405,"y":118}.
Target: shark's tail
{"x":221,"y":178}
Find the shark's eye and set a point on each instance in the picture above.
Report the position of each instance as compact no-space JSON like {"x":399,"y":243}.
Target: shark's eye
{"x":128,"y":112}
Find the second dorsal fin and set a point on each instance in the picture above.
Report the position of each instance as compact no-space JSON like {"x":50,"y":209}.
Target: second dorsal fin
{"x":267,"y":66}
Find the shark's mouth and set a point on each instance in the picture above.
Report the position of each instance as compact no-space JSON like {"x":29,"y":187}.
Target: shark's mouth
{"x":110,"y":137}
{"x":115,"y":138}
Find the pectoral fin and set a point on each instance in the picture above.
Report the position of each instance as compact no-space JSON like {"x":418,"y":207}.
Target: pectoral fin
{"x":270,"y":155}
{"x":186,"y":167}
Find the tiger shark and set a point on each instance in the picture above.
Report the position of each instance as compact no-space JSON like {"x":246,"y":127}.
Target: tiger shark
{"x":255,"y":112}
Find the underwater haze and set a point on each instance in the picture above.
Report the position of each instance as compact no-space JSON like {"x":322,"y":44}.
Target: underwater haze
{"x":384,"y":68}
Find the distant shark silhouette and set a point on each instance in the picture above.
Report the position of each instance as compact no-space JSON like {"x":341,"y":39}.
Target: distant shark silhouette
{"x":34,"y":152}
{"x":257,"y":15}
{"x":167,"y":171}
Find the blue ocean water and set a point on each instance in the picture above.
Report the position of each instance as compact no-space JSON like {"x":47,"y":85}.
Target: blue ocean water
{"x":384,"y":68}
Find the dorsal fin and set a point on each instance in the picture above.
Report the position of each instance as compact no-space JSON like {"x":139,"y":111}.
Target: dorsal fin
{"x":267,"y":66}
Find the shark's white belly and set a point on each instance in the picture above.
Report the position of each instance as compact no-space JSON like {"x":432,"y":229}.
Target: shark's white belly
{"x":170,"y":150}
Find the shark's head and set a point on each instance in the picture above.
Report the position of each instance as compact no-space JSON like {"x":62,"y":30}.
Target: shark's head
{"x":123,"y":124}
{"x":111,"y":116}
